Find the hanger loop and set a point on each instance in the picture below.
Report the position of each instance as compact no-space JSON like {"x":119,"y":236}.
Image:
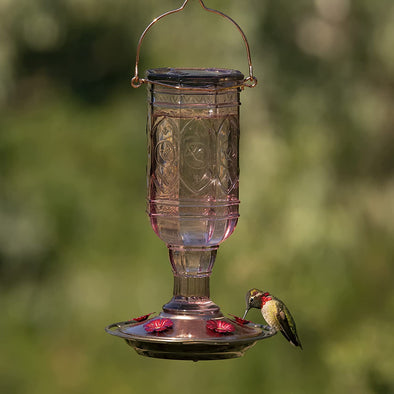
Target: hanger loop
{"x":250,"y":81}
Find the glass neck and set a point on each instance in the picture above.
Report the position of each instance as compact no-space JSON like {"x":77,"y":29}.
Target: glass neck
{"x":192,"y":267}
{"x":192,"y":262}
{"x":191,"y":286}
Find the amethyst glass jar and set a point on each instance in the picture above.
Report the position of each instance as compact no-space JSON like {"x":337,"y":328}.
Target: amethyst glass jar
{"x":193,"y":171}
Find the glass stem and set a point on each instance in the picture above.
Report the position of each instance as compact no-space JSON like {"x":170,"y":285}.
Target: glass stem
{"x":192,"y":267}
{"x":192,"y":262}
{"x":185,"y":286}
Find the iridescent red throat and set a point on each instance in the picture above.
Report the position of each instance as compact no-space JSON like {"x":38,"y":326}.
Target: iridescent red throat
{"x":265,"y":298}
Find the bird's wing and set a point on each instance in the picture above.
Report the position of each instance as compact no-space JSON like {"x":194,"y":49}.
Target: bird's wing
{"x":287,"y":325}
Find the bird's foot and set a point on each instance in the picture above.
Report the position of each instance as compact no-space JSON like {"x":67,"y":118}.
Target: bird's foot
{"x":265,"y":327}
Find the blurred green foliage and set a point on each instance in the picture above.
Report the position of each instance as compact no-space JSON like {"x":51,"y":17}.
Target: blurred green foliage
{"x":317,"y":189}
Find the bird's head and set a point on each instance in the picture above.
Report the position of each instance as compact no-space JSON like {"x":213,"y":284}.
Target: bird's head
{"x":254,"y":299}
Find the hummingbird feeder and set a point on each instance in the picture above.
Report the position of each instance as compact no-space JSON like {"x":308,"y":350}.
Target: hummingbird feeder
{"x":193,"y":182}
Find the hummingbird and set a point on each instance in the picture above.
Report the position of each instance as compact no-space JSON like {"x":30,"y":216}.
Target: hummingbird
{"x":275,"y":313}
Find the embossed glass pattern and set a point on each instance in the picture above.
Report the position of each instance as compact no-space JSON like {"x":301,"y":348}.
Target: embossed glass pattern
{"x":193,"y":164}
{"x":193,"y":171}
{"x":193,"y":185}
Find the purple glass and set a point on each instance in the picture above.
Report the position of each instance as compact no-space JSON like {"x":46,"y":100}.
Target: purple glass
{"x":193,"y":171}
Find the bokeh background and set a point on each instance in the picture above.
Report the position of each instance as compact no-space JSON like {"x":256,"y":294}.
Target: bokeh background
{"x":317,"y":188}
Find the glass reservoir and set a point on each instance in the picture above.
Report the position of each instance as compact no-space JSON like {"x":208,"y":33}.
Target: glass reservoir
{"x":193,"y":157}
{"x":193,"y":172}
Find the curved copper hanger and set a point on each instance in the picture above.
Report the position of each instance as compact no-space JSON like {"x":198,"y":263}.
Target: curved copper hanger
{"x":136,"y":81}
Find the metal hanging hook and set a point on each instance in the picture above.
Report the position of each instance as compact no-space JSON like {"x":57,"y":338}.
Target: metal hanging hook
{"x":250,"y":81}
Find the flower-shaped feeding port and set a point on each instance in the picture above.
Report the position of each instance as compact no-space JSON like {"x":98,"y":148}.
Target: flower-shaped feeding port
{"x":220,"y":326}
{"x":158,"y":325}
{"x":141,"y":318}
{"x":239,"y":320}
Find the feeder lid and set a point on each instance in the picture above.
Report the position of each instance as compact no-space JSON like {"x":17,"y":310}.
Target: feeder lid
{"x":196,"y":77}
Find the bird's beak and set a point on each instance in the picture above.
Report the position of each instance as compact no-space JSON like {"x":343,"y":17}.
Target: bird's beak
{"x":246,"y":312}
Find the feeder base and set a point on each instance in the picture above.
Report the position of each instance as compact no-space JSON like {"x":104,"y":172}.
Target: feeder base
{"x":189,"y":338}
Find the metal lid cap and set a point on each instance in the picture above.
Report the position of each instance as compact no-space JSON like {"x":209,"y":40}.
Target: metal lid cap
{"x":196,"y":77}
